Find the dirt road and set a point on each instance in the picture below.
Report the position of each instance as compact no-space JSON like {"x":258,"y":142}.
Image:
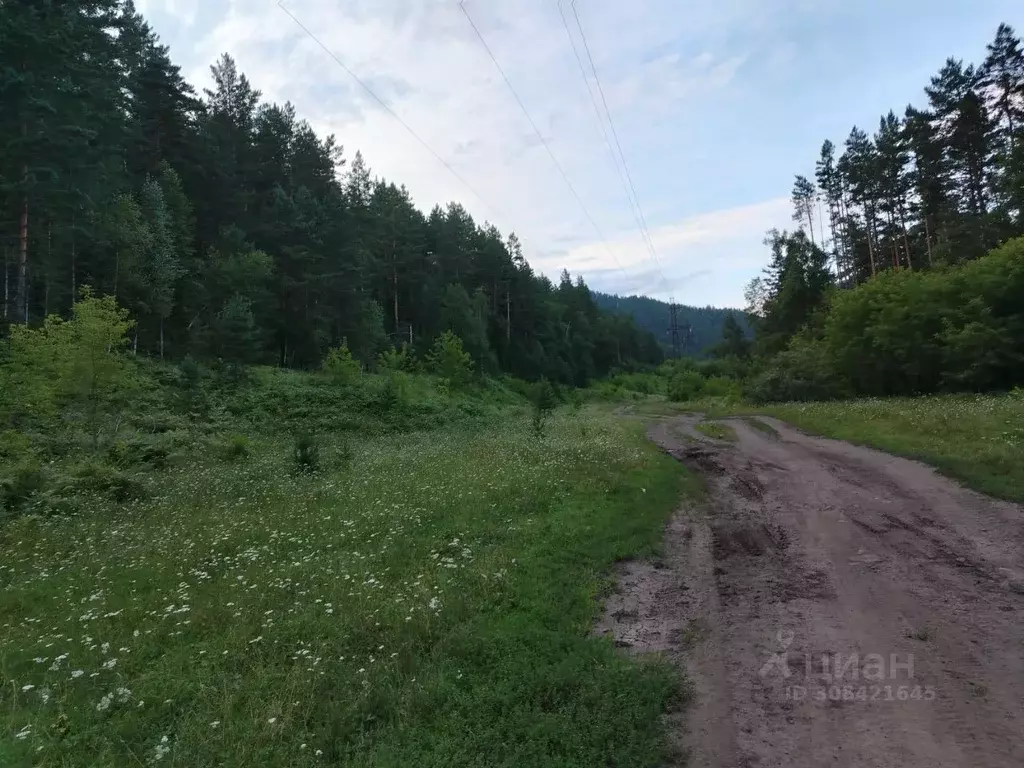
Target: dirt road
{"x":834,"y":606}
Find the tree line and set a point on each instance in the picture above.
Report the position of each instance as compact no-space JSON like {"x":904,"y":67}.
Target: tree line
{"x":903,"y":275}
{"x":230,"y":230}
{"x":936,"y":184}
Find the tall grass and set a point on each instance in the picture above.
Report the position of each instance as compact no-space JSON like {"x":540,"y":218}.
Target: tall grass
{"x":426,"y":601}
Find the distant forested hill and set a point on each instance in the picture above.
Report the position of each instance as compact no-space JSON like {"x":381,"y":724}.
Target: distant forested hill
{"x":652,"y":315}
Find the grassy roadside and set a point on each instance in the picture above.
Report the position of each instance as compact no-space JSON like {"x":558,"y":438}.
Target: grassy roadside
{"x":425,"y":599}
{"x":977,"y":439}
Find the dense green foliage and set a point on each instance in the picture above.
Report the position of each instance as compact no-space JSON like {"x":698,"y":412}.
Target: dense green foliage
{"x":900,"y":297}
{"x":229,"y":230}
{"x":700,"y":327}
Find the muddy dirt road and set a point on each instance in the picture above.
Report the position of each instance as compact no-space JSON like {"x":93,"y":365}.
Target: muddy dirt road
{"x":834,"y":606}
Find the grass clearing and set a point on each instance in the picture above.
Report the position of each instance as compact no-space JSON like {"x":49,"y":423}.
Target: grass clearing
{"x":422,"y":599}
{"x":716,"y":430}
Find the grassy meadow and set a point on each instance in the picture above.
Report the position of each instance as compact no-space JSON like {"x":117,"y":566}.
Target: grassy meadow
{"x":423,"y":598}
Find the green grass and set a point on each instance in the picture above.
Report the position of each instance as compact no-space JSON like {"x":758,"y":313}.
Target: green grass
{"x":424,"y":599}
{"x":716,"y":430}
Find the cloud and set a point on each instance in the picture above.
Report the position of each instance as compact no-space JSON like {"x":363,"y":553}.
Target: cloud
{"x":662,"y":70}
{"x":706,"y":259}
{"x":184,"y":11}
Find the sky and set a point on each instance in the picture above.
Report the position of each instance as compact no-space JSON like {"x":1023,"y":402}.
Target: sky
{"x":716,"y":105}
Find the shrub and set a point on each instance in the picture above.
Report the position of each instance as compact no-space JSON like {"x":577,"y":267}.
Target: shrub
{"x":109,"y":481}
{"x":544,"y":400}
{"x":575,"y":401}
{"x":190,"y":377}
{"x":685,"y":385}
{"x":13,"y":445}
{"x":131,"y":453}
{"x":804,"y":371}
{"x":77,"y":366}
{"x":236,"y":447}
{"x":23,"y":482}
{"x":720,"y":386}
{"x":955,"y":328}
{"x":386,"y":393}
{"x":306,"y":453}
{"x":341,"y":366}
{"x":392,"y":359}
{"x":451,"y":362}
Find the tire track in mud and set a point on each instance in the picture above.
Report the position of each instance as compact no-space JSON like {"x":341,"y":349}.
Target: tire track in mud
{"x":833,"y":605}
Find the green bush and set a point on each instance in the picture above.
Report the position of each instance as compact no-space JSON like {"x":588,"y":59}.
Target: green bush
{"x":804,"y":371}
{"x":96,"y":477}
{"x":543,"y":399}
{"x":21,"y":484}
{"x":341,"y":366}
{"x":306,"y":453}
{"x":77,"y":369}
{"x":190,"y":383}
{"x":451,"y":362}
{"x":685,"y":385}
{"x":136,"y":452}
{"x":720,"y":386}
{"x":13,"y":444}
{"x":236,"y":447}
{"x":392,"y":359}
{"x":958,"y":328}
{"x":387,"y":393}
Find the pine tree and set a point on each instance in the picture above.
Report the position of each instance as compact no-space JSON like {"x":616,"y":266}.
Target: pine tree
{"x":966,"y":132}
{"x":894,"y":185}
{"x":1002,"y":78}
{"x":804,"y":196}
{"x":859,"y":169}
{"x":161,"y":266}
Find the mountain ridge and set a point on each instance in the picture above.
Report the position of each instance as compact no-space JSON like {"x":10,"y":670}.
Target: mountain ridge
{"x":654,"y":315}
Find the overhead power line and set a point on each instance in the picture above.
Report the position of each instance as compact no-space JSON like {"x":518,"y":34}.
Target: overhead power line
{"x":388,"y":109}
{"x":618,"y":144}
{"x":540,"y":136}
{"x":633,"y":205}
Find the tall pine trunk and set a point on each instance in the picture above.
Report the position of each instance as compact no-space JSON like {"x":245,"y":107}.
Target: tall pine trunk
{"x":21,"y":310}
{"x":74,"y":285}
{"x":928,"y":241}
{"x":906,"y":239}
{"x":394,"y":279}
{"x":869,"y":222}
